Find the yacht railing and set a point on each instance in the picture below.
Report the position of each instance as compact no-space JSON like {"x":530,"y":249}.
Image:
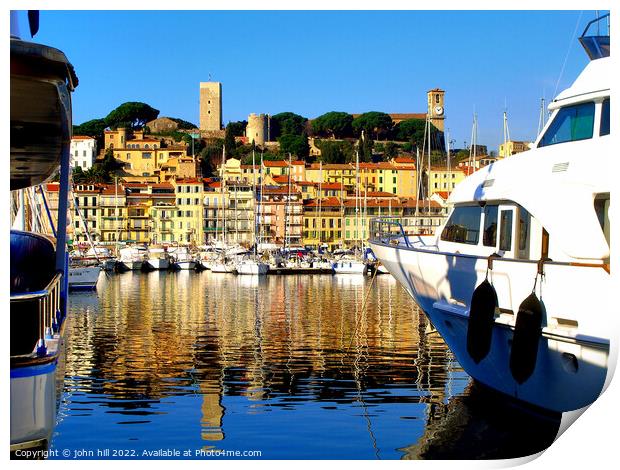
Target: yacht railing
{"x":596,"y":45}
{"x":47,"y":303}
{"x":387,"y":231}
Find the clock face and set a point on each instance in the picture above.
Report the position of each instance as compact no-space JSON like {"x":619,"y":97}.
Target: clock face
{"x":438,"y":110}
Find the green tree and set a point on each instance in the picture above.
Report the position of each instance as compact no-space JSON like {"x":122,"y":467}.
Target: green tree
{"x":374,"y":124}
{"x":211,"y":157}
{"x":92,"y":128}
{"x":364,"y":147}
{"x":237,"y":127}
{"x":294,"y":144}
{"x":334,"y":124}
{"x":335,"y":151}
{"x":229,"y":141}
{"x":412,"y":130}
{"x":287,"y":123}
{"x":132,"y":114}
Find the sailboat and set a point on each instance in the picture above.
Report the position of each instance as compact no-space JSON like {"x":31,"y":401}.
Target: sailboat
{"x":84,"y":273}
{"x":353,"y":264}
{"x":252,"y":265}
{"x":222,"y":264}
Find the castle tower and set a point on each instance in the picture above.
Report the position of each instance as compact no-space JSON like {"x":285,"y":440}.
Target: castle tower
{"x":256,"y":130}
{"x":436,"y":109}
{"x":210,"y":106}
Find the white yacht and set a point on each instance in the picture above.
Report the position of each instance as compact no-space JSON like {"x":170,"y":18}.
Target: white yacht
{"x":158,"y":258}
{"x":182,"y":258}
{"x":349,"y":266}
{"x":133,"y":257}
{"x":84,"y":277}
{"x":517,"y":280}
{"x":252,"y":266}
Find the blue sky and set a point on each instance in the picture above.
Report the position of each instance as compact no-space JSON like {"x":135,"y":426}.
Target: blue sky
{"x":314,"y":62}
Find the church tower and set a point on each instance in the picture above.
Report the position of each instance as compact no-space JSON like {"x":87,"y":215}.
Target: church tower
{"x":436,"y":109}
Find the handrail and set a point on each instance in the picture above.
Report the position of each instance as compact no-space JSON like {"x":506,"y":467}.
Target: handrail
{"x":381,"y":231}
{"x":49,"y":312}
{"x":39,"y":293}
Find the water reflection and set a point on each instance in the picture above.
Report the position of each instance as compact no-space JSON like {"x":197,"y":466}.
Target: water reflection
{"x":289,"y":365}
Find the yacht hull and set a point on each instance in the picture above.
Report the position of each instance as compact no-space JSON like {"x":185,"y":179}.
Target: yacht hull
{"x":252,"y":268}
{"x":158,"y":263}
{"x":84,"y":278}
{"x":571,"y":364}
{"x":349,"y":267}
{"x":33,"y":405}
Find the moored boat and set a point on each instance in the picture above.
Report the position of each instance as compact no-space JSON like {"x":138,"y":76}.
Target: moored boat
{"x":41,"y":81}
{"x":518,"y":283}
{"x":84,"y":277}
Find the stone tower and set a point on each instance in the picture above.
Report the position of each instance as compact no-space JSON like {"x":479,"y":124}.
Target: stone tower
{"x":210,"y":106}
{"x":257,"y":130}
{"x":436,"y":109}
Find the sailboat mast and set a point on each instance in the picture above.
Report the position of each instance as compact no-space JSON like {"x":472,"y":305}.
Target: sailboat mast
{"x":320,"y":197}
{"x":222,"y":184}
{"x":541,"y":117}
{"x":261,"y":222}
{"x":255,"y":228}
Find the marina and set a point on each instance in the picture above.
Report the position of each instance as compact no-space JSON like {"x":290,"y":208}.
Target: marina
{"x":237,"y":362}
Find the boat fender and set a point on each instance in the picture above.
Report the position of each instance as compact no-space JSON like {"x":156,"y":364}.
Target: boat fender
{"x":528,"y":329}
{"x":482,"y":317}
{"x":481,"y":320}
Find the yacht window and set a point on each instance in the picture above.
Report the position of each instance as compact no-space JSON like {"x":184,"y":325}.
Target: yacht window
{"x":505,"y":235}
{"x":463,"y":226}
{"x":570,"y":124}
{"x":524,"y":232}
{"x":489,"y":236}
{"x":605,"y":118}
{"x":601,"y":206}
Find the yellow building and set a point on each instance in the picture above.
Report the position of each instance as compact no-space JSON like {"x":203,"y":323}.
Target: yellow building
{"x":322,"y":223}
{"x":138,"y":204}
{"x":113,"y":213}
{"x":513,"y":146}
{"x":443,"y":180}
{"x":188,"y":222}
{"x":163,"y":212}
{"x":86,"y":213}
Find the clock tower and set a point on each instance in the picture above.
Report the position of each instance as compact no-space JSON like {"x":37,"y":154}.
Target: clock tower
{"x":436,"y":110}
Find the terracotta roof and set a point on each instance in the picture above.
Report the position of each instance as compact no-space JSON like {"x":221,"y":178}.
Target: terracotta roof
{"x":161,"y":185}
{"x":331,"y":186}
{"x":188,"y":180}
{"x":279,"y":190}
{"x":403,"y":160}
{"x":275,"y":163}
{"x":385,"y":166}
{"x":82,"y":137}
{"x":411,"y":202}
{"x":374,"y":203}
{"x":53,"y":187}
{"x":325,"y":202}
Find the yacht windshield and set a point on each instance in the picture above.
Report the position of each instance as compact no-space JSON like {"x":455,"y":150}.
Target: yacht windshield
{"x":570,"y":124}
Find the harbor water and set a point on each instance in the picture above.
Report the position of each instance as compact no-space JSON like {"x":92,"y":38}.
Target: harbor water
{"x":177,"y":364}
